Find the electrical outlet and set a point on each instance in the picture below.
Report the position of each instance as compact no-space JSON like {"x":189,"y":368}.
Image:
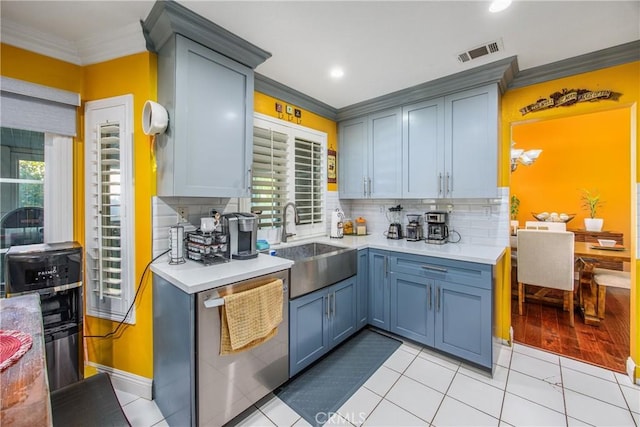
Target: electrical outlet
{"x":182,"y":214}
{"x":433,"y":207}
{"x":487,"y":211}
{"x":382,"y":209}
{"x":449,"y":208}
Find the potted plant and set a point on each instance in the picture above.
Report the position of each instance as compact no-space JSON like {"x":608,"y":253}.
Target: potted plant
{"x":591,"y":201}
{"x":515,"y":208}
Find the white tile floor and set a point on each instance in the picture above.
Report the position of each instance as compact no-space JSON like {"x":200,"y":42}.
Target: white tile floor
{"x":417,"y":387}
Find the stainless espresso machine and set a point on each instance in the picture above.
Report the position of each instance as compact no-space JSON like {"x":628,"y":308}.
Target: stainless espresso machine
{"x":242,"y":229}
{"x":437,"y":228}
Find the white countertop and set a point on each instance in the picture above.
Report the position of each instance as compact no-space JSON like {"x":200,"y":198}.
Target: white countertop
{"x":192,"y":277}
{"x":457,"y":251}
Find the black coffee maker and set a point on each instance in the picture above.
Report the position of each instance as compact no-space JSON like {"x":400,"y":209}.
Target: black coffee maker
{"x":242,"y":229}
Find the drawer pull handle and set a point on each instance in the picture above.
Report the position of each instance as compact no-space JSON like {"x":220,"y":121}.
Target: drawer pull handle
{"x":435,"y":268}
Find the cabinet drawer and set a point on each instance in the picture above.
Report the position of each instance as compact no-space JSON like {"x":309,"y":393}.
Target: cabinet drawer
{"x":469,"y":273}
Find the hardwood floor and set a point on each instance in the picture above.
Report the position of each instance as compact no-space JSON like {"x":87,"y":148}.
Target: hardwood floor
{"x":547,"y":327}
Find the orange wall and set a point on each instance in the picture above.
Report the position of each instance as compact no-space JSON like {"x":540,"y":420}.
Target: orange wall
{"x":265,"y":104}
{"x":624,"y":79}
{"x":583,"y":151}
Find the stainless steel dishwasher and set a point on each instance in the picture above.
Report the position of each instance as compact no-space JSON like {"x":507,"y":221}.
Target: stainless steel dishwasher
{"x":227,"y":385}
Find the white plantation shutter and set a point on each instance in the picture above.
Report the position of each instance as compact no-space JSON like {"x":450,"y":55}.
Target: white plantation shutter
{"x":269,"y":176}
{"x":109,"y":208}
{"x":309,"y":182}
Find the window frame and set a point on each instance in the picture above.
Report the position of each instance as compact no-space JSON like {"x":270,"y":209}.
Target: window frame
{"x":294,"y":130}
{"x":99,"y":303}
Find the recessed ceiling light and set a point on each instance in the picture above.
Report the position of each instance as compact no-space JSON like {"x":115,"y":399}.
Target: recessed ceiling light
{"x":499,"y":5}
{"x":336,"y":72}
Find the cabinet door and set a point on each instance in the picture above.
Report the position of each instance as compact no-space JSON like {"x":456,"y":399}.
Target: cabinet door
{"x":378,"y":289}
{"x":412,"y":307}
{"x":352,"y":158}
{"x":423,"y":149}
{"x":362,"y":285}
{"x":308,"y":330}
{"x":471,"y":143}
{"x":463,"y":322}
{"x":342,"y":311}
{"x":212,"y":147}
{"x":385,"y":155}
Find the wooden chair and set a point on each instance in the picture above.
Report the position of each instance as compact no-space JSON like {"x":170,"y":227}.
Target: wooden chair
{"x":545,"y":258}
{"x":603,"y":278}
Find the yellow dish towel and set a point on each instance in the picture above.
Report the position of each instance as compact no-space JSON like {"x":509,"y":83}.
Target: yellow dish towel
{"x":250,"y":318}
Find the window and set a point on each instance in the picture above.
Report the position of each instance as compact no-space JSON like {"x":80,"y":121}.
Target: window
{"x":30,"y":181}
{"x":269,"y":176}
{"x":280,"y":147}
{"x":109,"y":208}
{"x":309,"y":181}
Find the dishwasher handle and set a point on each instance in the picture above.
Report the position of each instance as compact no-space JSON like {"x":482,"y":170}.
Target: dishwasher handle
{"x":218,"y":302}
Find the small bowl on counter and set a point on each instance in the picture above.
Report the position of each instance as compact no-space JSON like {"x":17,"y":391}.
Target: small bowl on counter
{"x":607,"y":243}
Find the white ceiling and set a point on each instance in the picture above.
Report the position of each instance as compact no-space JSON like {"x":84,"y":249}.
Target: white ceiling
{"x":383,"y":46}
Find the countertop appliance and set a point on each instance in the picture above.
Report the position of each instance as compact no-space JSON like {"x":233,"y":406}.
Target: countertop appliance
{"x":394,"y":215}
{"x":337,"y":222}
{"x":242,"y":229}
{"x":193,"y":384}
{"x":414,"y":228}
{"x":437,"y":228}
{"x":54,"y":271}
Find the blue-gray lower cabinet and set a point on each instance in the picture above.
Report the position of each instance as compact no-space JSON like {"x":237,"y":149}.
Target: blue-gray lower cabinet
{"x":463,"y":322}
{"x":412,"y":307}
{"x":379,"y":289}
{"x":442,"y":303}
{"x":362,"y":284}
{"x":319,"y":321}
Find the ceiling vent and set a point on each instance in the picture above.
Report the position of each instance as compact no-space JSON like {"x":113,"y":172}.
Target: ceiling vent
{"x":482,"y":50}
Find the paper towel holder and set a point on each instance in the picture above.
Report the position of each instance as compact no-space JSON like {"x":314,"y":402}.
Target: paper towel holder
{"x":154,"y":118}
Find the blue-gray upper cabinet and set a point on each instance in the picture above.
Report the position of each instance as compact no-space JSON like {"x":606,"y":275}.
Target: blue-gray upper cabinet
{"x":379,"y":289}
{"x":370,"y":153}
{"x":362,"y":285}
{"x":423,"y":149}
{"x":319,"y":321}
{"x":207,"y":148}
{"x":450,"y":146}
{"x":471,"y":143}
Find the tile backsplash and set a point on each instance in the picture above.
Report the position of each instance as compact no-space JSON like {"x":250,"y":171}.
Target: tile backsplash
{"x":477,"y":221}
{"x":165,"y":213}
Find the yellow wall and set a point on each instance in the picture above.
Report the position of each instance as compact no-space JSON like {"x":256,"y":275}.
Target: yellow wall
{"x":136,"y":74}
{"x":131,"y":350}
{"x":623,"y":79}
{"x":589,"y":151}
{"x":265,"y":104}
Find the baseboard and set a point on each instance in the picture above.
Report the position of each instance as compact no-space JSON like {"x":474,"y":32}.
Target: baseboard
{"x":126,"y":381}
{"x":632,"y":368}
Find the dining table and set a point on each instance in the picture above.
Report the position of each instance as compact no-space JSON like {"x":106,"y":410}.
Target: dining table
{"x":591,"y":295}
{"x":24,"y":385}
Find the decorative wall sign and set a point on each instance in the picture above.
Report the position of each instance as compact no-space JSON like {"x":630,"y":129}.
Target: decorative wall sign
{"x":569,"y":97}
{"x":331,"y":166}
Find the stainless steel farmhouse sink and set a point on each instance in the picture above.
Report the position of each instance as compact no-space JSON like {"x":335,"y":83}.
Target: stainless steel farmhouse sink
{"x":317,"y":265}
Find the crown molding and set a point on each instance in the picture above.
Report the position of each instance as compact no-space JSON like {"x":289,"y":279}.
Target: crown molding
{"x":103,"y":47}
{"x":39,"y":42}
{"x":167,"y":18}
{"x":99,"y":48}
{"x":264,"y":84}
{"x":605,"y":58}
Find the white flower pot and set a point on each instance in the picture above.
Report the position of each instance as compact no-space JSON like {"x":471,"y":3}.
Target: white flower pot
{"x":593,"y":224}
